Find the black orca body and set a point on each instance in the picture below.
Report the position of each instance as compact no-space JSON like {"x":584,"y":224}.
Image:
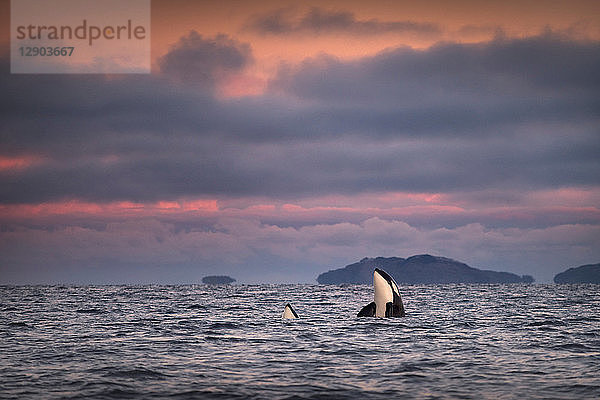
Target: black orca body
{"x":388,"y":302}
{"x":368,"y":310}
{"x":289,"y":312}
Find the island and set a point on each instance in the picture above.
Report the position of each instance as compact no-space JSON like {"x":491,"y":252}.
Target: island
{"x":416,"y":270}
{"x":589,"y":273}
{"x":217,"y":280}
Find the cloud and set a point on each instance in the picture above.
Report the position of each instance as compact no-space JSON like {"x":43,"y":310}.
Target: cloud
{"x":530,"y":73}
{"x":487,"y":153}
{"x":200,"y":60}
{"x":253,"y":251}
{"x":318,"y":21}
{"x":505,"y":116}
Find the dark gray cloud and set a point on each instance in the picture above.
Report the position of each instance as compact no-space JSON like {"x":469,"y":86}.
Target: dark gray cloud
{"x":317,"y":21}
{"x":508,"y":115}
{"x":540,"y":68}
{"x":196,"y":59}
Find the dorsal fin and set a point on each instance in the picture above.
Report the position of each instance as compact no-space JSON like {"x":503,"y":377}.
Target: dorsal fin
{"x":289,"y":312}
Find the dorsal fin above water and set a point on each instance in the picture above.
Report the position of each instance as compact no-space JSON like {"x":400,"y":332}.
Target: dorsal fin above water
{"x":289,"y":312}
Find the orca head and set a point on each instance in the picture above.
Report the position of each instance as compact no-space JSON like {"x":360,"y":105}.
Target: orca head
{"x":386,"y":291}
{"x":289,"y":312}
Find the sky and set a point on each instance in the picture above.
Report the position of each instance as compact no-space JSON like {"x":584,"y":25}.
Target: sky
{"x":275,"y":140}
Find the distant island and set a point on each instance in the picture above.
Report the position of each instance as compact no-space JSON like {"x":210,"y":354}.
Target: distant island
{"x":419,"y":269}
{"x":217,"y":280}
{"x":589,"y":273}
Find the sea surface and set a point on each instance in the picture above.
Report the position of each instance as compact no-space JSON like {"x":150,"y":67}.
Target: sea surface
{"x":230,"y":342}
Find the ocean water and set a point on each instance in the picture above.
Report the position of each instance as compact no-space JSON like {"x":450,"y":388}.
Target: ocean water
{"x":229,"y":342}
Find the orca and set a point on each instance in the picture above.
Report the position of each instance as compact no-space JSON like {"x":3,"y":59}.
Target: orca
{"x":289,"y":312}
{"x":388,"y":302}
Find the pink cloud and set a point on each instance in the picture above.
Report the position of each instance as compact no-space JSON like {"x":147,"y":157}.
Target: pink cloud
{"x":121,"y":208}
{"x":18,"y":163}
{"x":240,"y":85}
{"x":535,"y":208}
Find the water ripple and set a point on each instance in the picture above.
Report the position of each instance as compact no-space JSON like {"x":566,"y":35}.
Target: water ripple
{"x":196,"y":341}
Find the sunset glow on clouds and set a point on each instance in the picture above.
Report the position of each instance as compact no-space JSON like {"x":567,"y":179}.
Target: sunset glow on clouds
{"x":275,"y":141}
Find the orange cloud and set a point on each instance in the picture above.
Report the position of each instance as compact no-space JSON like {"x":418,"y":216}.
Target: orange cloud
{"x":461,"y":21}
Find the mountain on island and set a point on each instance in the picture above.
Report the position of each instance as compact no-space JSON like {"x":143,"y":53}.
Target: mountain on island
{"x":217,"y":280}
{"x":420,"y":269}
{"x":584,"y":274}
